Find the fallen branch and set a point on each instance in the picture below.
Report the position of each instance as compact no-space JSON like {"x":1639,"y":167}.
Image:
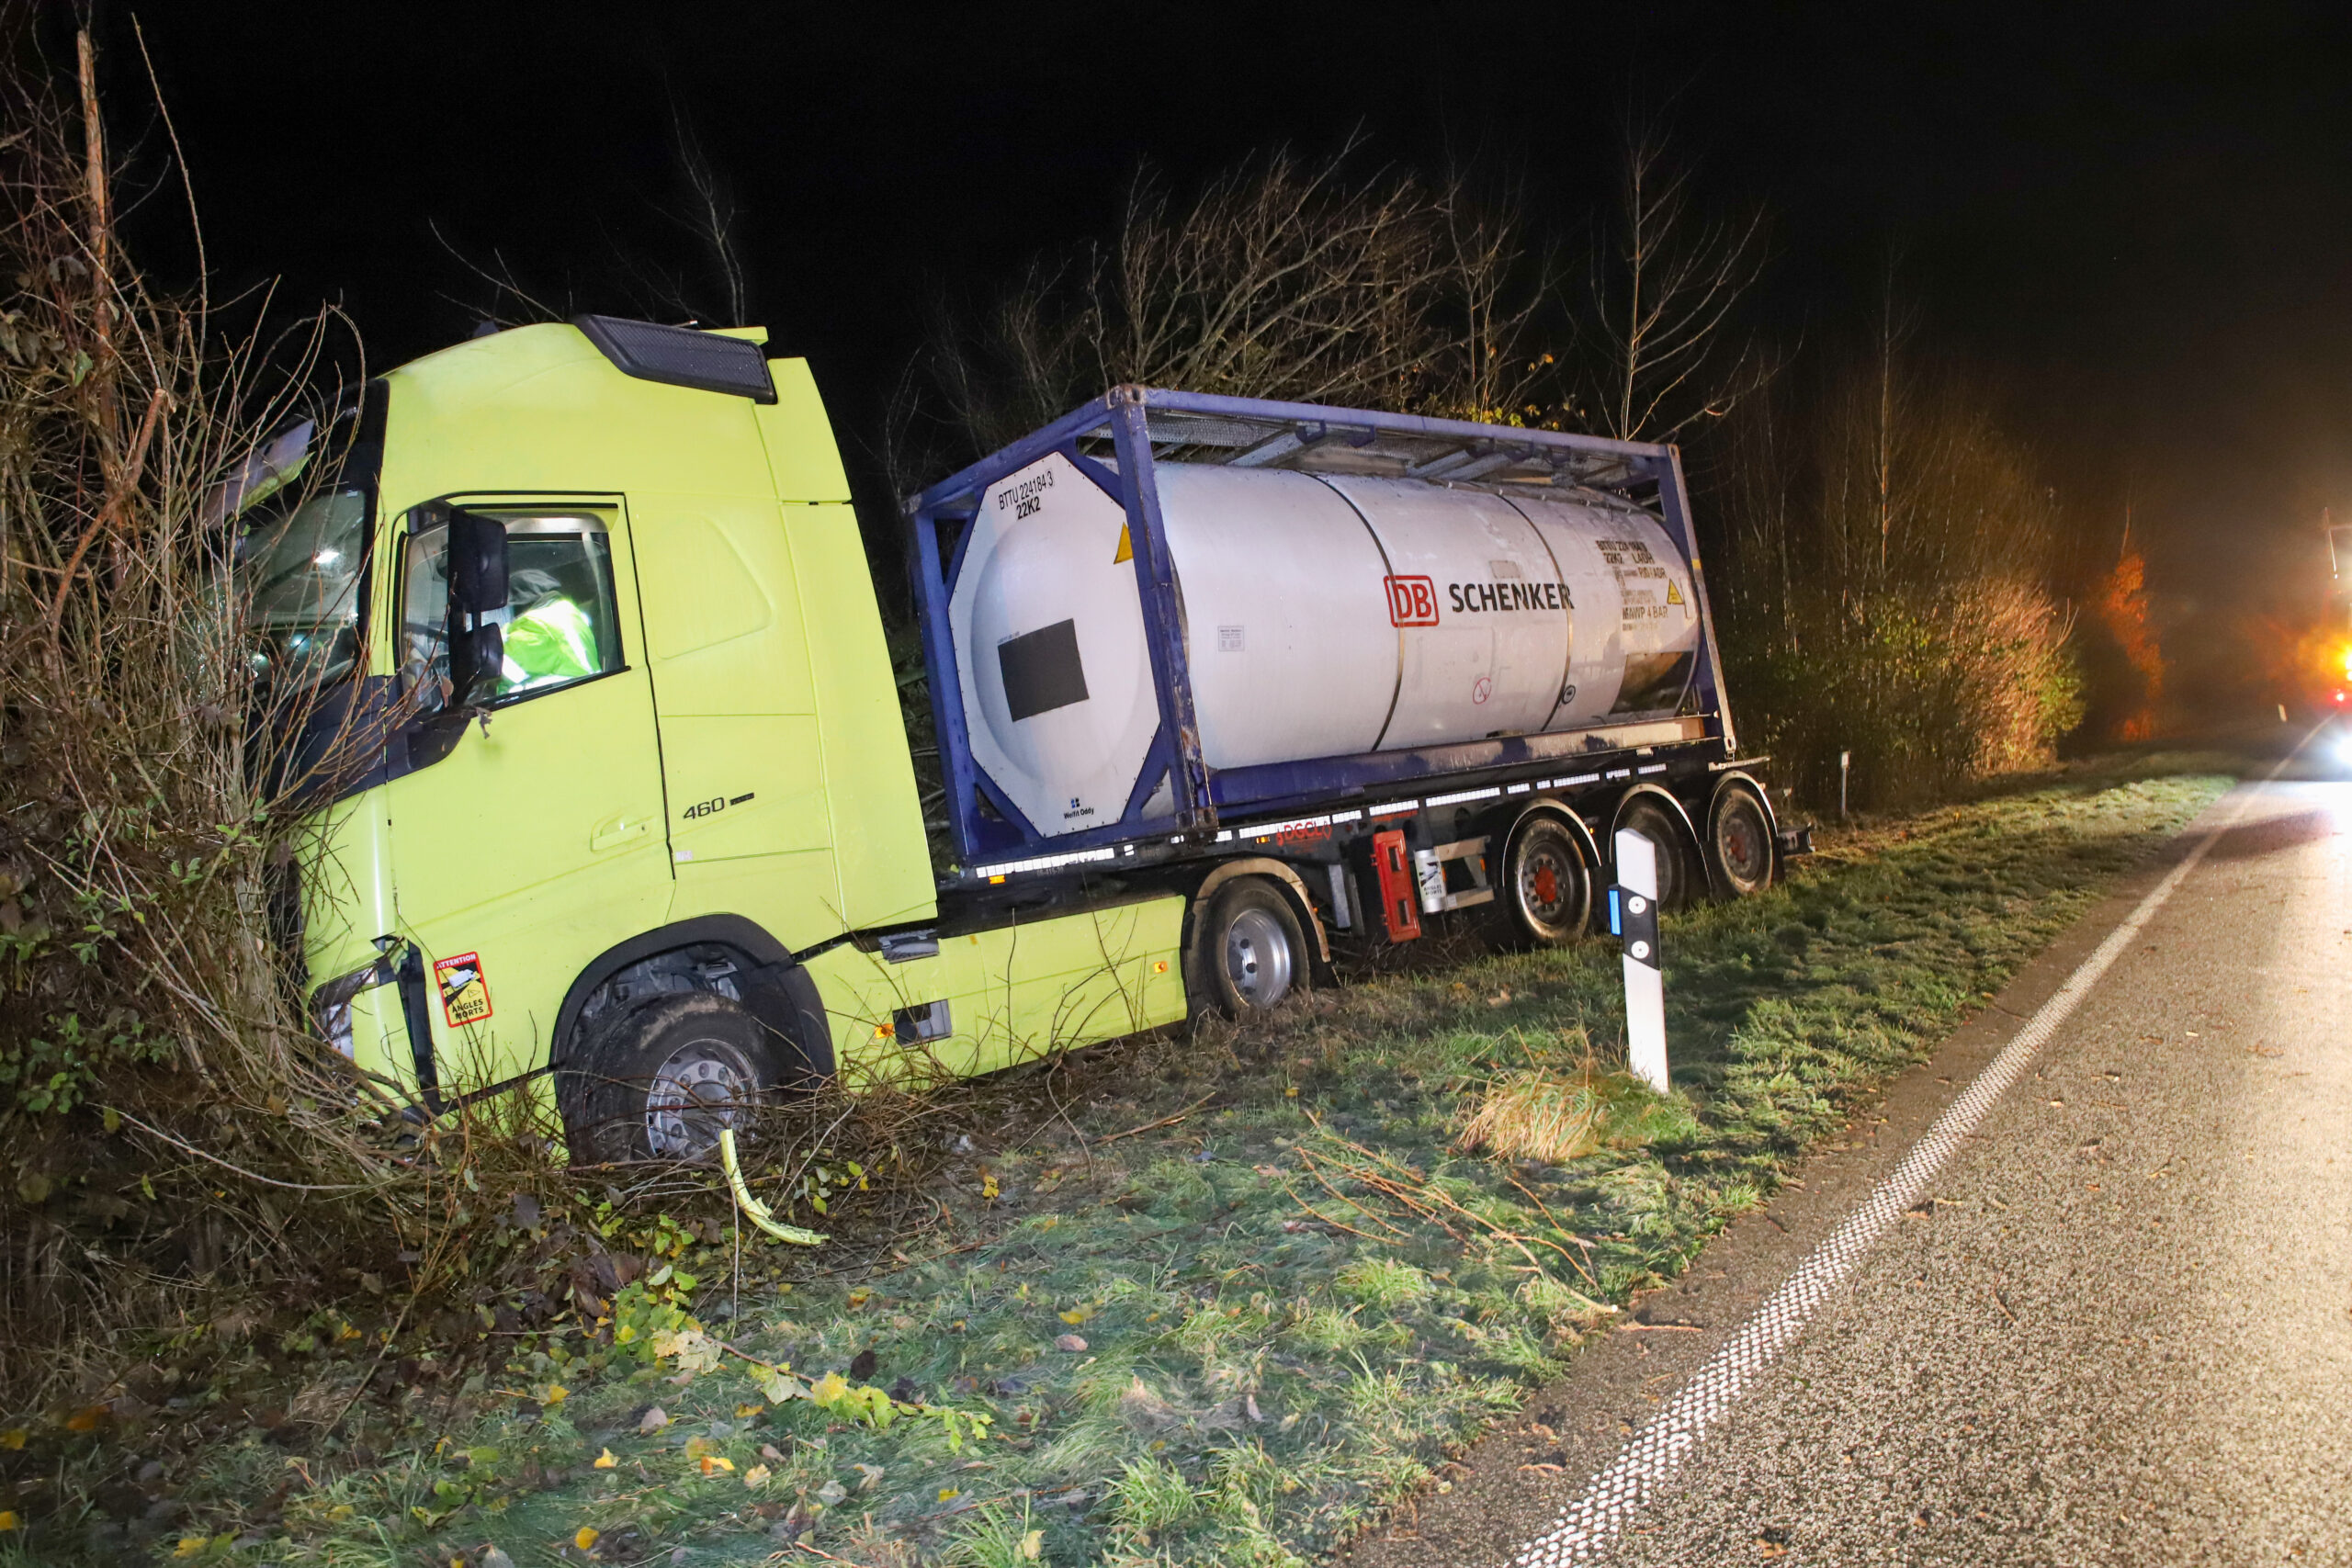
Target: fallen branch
{"x":1152,"y":1126}
{"x":241,"y":1170}
{"x":821,"y":1552}
{"x":1553,"y":1220}
{"x":1416,"y":1193}
{"x":1327,"y":1219}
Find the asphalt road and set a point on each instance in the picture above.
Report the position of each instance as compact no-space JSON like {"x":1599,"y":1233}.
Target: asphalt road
{"x":2115,"y":1329}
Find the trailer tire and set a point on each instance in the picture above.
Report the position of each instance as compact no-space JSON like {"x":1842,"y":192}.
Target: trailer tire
{"x":658,"y":1077}
{"x":1546,"y":886}
{"x":1677,"y":874}
{"x":1739,"y":843}
{"x":1248,"y":951}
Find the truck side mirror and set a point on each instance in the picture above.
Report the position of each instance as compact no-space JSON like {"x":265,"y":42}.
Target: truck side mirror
{"x":477,"y":563}
{"x":476,"y":590}
{"x":477,"y":656}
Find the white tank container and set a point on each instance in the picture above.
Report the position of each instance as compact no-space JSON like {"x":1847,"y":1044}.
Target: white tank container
{"x":1326,"y":616}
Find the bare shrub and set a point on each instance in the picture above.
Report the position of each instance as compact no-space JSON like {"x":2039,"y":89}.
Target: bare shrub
{"x":1887,"y":585}
{"x":138,"y":857}
{"x":2120,"y":602}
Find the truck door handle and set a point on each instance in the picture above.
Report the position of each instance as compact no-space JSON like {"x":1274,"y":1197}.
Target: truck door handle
{"x":619,"y":830}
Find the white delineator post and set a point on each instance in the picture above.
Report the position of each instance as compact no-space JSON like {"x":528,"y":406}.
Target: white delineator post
{"x":1632,"y":914}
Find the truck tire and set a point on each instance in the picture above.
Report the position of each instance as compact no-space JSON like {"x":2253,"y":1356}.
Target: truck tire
{"x":657,"y":1078}
{"x":1545,"y":889}
{"x":1677,"y":876}
{"x":1248,"y":952}
{"x":1739,"y":845}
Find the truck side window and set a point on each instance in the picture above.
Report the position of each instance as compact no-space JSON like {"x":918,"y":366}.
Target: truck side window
{"x":562,"y":623}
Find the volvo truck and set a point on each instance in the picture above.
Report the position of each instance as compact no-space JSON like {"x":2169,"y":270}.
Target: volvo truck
{"x":589,"y":706}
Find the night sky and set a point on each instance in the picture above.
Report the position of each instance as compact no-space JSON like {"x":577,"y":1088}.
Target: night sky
{"x":2138,"y":219}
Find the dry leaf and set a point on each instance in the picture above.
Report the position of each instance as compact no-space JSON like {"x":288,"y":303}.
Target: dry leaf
{"x":13,"y":1438}
{"x":605,"y":1460}
{"x":652,"y":1420}
{"x":1071,"y":1342}
{"x":713,"y":1463}
{"x":756,"y":1475}
{"x":586,"y":1537}
{"x":745,"y":1412}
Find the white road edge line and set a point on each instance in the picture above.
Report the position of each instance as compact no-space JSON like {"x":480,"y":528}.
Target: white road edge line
{"x":1652,"y":1455}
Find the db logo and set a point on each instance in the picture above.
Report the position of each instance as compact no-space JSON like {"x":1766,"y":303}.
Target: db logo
{"x":1412,"y":602}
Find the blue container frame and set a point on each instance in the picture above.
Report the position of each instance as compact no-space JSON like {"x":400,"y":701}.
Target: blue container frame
{"x":1455,"y":449}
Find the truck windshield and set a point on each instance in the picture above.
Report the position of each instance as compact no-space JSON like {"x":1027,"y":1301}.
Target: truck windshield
{"x":302,"y":527}
{"x":303,"y":571}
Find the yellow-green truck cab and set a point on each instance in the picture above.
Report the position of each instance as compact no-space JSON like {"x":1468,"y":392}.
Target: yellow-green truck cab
{"x":667,"y":843}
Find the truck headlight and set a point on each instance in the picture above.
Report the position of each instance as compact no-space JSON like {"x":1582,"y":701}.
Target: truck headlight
{"x":330,"y":1003}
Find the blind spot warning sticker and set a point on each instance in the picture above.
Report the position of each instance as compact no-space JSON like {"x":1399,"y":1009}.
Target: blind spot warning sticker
{"x":465,"y":995}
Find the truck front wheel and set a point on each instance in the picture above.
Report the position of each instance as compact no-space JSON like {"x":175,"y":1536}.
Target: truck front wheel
{"x":659,"y":1078}
{"x":1248,"y":951}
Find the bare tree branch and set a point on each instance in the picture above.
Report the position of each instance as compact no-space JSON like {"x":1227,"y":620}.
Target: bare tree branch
{"x":710,"y":215}
{"x":1662,"y":291}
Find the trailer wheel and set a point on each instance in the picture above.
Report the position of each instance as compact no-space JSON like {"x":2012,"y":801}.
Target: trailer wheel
{"x":659,"y":1078}
{"x":1676,"y":876}
{"x":1739,"y":845}
{"x":1248,"y":951}
{"x":1546,"y":888}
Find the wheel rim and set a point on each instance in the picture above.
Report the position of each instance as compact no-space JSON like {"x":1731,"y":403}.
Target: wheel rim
{"x":1547,"y":878}
{"x":1739,"y":841}
{"x":702,"y":1087}
{"x":1257,"y":958}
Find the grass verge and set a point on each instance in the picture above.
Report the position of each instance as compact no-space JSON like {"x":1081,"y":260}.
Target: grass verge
{"x":1224,"y":1294}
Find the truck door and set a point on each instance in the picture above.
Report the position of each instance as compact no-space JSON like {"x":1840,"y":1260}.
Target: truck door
{"x":740,"y":753}
{"x":536,"y":842}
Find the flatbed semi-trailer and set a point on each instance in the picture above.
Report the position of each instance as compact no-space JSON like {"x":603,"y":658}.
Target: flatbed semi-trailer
{"x":586,"y":688}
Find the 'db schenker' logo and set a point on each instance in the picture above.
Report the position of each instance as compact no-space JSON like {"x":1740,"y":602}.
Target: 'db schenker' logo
{"x":1412,"y":602}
